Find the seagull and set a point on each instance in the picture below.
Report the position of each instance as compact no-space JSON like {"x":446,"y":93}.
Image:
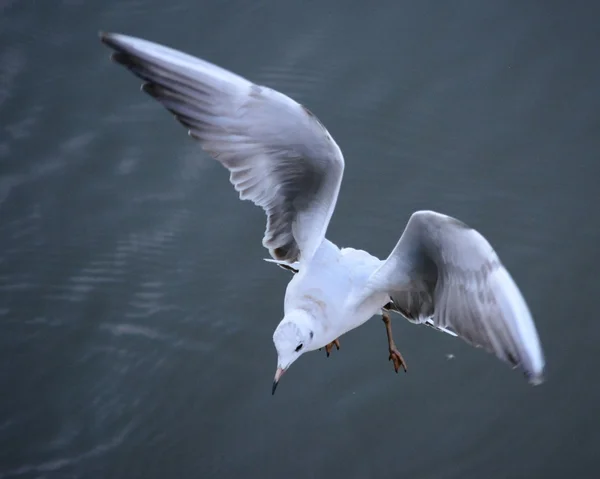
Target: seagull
{"x":441,"y":273}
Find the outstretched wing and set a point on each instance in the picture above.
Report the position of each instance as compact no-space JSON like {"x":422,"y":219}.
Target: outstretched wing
{"x":279,"y":155}
{"x":446,"y":272}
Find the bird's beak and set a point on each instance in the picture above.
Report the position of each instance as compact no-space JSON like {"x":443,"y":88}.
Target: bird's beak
{"x":278,"y":375}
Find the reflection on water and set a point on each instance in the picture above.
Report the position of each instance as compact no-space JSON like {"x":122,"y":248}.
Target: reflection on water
{"x":137,"y":312}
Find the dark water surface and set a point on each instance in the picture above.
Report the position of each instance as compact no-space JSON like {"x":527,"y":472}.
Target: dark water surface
{"x":136,"y":311}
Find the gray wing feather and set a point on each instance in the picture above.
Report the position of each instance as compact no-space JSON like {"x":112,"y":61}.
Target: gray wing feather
{"x":443,"y":271}
{"x":278,"y":154}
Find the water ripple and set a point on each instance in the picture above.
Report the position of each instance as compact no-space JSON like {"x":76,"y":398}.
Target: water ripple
{"x":62,"y":462}
{"x":152,"y":334}
{"x":12,"y":63}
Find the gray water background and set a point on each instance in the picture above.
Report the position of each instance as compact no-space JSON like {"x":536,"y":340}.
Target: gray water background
{"x":136,"y":312}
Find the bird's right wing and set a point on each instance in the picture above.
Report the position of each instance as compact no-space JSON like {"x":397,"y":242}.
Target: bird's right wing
{"x":278,"y":154}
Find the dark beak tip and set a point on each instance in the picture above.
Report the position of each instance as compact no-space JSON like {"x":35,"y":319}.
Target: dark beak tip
{"x":275,"y":383}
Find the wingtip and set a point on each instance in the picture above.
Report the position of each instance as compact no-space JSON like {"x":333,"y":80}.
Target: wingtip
{"x":103,"y":36}
{"x":535,"y":379}
{"x":107,"y":39}
{"x":110,"y":39}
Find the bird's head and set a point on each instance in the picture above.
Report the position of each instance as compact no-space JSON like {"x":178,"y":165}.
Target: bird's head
{"x":292,"y":338}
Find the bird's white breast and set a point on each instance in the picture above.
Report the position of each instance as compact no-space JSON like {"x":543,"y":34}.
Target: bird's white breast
{"x":323,"y":287}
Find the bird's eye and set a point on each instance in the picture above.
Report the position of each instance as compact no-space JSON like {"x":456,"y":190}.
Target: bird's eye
{"x":299,"y":347}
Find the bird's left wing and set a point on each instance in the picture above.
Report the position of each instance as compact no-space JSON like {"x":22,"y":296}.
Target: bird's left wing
{"x":443,"y":271}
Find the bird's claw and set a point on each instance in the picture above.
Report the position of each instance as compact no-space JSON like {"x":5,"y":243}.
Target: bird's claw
{"x":398,"y":360}
{"x":329,"y":347}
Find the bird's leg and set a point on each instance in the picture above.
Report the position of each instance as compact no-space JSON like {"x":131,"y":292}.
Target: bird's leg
{"x":329,"y":347}
{"x":395,"y":355}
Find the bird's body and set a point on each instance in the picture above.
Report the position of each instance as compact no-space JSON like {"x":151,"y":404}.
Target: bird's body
{"x":441,"y":272}
{"x":324,"y":288}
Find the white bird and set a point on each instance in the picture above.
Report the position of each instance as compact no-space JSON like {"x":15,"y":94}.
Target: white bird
{"x":441,"y":272}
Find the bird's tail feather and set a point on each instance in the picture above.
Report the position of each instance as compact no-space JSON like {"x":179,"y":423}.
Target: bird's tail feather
{"x":294,"y":267}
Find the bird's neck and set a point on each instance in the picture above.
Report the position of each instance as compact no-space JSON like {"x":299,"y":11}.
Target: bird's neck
{"x":325,"y":252}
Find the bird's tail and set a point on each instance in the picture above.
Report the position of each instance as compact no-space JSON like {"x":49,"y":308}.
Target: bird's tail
{"x":294,"y":267}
